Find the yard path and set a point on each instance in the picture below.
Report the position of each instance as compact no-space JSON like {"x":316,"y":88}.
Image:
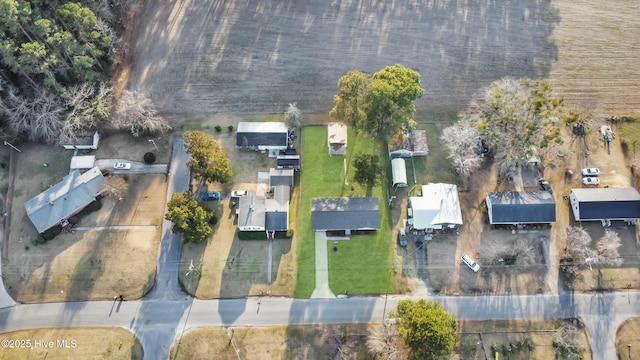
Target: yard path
{"x":322,"y":290}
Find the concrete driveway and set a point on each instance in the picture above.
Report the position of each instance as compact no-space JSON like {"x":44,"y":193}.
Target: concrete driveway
{"x":136,"y":167}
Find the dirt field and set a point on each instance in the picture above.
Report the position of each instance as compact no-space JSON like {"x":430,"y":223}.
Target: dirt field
{"x":257,"y":56}
{"x":74,"y":343}
{"x":87,"y":264}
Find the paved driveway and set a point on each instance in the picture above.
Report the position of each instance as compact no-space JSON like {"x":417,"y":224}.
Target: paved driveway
{"x":136,"y":167}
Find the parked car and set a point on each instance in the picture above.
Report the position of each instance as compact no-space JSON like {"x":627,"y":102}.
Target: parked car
{"x":402,"y":237}
{"x":470,"y":263}
{"x":590,"y":172}
{"x":122,"y":166}
{"x":544,"y":184}
{"x":209,"y":196}
{"x":591,"y":180}
{"x":238,"y":193}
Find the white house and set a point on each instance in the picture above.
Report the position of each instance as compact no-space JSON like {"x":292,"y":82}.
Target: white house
{"x":437,"y":209}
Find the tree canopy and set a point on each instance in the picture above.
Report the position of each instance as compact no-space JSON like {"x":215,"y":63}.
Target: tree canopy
{"x":367,"y":169}
{"x":208,"y":161}
{"x":382,"y":103}
{"x":519,"y":120}
{"x":189,"y":217}
{"x":55,"y":56}
{"x":427,"y":328}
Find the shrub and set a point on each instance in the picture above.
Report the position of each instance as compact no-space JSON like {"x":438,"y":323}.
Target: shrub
{"x":218,"y":128}
{"x":149,"y":158}
{"x":290,"y":233}
{"x":74,"y":220}
{"x":230,"y":127}
{"x":38,"y":240}
{"x":26,"y":248}
{"x":213,"y":220}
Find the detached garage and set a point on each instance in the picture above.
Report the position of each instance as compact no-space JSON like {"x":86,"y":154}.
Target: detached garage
{"x":399,"y":172}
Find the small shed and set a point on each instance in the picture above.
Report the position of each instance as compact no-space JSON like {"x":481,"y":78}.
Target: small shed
{"x":399,"y":172}
{"x":337,"y":138}
{"x":82,"y":162}
{"x":288,"y":161}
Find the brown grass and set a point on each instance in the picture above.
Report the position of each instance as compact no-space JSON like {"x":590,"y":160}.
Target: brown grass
{"x":73,"y":343}
{"x":628,"y":335}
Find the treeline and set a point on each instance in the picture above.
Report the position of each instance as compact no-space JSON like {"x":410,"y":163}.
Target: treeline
{"x":55,"y":59}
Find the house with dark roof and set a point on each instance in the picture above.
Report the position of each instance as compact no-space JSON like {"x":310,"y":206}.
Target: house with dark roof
{"x":438,"y":209}
{"x":521,"y":207}
{"x":605,"y":204}
{"x":345,"y":214}
{"x":337,"y":138}
{"x":61,"y":201}
{"x":272,"y":136}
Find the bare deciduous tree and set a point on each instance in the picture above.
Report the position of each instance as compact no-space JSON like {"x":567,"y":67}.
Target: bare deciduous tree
{"x":39,"y":117}
{"x":293,"y":115}
{"x":115,"y":186}
{"x":607,"y":248}
{"x":578,"y":242}
{"x":462,"y":141}
{"x":567,"y":343}
{"x":135,"y":112}
{"x":386,"y":343}
{"x":86,"y":107}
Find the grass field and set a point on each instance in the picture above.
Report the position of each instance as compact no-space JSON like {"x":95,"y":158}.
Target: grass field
{"x":362,"y":265}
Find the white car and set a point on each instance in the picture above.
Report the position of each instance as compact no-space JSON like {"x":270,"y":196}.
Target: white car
{"x":591,"y":180}
{"x":590,"y":172}
{"x":238,"y":193}
{"x":122,"y":166}
{"x":470,"y":263}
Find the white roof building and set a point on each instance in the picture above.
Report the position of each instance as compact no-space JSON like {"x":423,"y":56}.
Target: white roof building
{"x":437,"y":208}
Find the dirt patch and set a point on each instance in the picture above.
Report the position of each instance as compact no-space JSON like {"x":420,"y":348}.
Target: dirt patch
{"x":87,"y":264}
{"x":76,"y":343}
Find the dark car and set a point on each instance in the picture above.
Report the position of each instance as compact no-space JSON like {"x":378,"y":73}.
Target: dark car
{"x":209,"y":196}
{"x":544,"y":184}
{"x":402,"y":237}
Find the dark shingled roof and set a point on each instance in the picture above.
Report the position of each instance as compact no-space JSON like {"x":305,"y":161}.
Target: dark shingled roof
{"x":345,"y":213}
{"x":276,"y":221}
{"x":515,"y":207}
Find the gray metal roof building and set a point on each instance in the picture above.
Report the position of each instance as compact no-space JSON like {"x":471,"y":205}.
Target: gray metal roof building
{"x":520,"y":207}
{"x":262,"y":135}
{"x":345,"y":213}
{"x":64,"y":199}
{"x":605,"y":204}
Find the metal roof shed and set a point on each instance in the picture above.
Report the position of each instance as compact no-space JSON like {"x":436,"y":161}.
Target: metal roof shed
{"x":399,"y":172}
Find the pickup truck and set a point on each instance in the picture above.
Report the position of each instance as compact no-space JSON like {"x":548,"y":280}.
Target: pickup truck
{"x":209,"y":196}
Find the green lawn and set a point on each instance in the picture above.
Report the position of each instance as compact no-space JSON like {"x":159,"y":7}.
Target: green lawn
{"x":629,"y":132}
{"x":363,"y":264}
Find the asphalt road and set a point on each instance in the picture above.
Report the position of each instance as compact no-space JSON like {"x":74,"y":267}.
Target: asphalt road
{"x":166,"y":312}
{"x":154,"y":320}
